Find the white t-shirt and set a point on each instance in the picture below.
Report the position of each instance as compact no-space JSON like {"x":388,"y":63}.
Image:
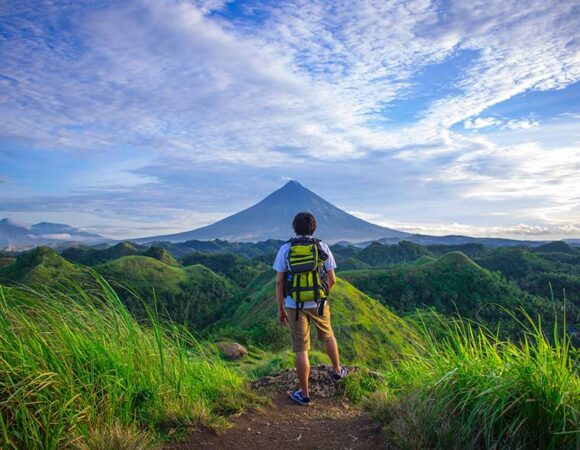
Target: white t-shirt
{"x":281,"y":264}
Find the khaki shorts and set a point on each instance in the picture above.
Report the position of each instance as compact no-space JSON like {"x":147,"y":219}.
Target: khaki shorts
{"x":300,"y":329}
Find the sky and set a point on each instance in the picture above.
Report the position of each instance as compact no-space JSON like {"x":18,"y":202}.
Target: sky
{"x":138,"y":118}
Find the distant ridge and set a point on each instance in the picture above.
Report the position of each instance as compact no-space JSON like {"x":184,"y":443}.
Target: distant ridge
{"x":271,"y":218}
{"x":15,"y":236}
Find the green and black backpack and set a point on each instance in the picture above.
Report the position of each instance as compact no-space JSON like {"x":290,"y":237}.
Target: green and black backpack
{"x":306,"y":279}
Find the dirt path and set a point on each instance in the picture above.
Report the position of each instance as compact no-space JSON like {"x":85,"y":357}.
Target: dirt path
{"x":328,"y":423}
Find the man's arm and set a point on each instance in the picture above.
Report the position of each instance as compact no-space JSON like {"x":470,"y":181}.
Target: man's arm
{"x":282,"y":316}
{"x":331,"y":279}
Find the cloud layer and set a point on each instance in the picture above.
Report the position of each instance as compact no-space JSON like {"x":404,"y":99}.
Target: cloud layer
{"x":205,"y":92}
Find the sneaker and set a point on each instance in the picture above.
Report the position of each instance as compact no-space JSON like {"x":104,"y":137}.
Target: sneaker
{"x":343,"y":373}
{"x":299,"y":398}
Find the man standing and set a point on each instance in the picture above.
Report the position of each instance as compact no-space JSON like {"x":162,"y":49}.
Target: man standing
{"x":305,"y":267}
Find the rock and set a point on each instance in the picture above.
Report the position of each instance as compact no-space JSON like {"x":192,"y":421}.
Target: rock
{"x":232,"y":350}
{"x":320,"y":381}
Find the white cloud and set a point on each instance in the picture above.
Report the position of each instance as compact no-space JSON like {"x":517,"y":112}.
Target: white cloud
{"x":517,"y":231}
{"x":308,"y":81}
{"x":523,"y":124}
{"x":481,"y":122}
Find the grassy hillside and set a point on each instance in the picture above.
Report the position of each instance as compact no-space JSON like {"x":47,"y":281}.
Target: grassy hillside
{"x":161,"y":254}
{"x":90,"y":256}
{"x":379,"y":255}
{"x":367,"y":331}
{"x":543,"y":272}
{"x":238,"y":269}
{"x":39,"y":266}
{"x":245,"y":249}
{"x":194,"y":295}
{"x":79,"y":372}
{"x":450,"y":284}
{"x":472,"y":390}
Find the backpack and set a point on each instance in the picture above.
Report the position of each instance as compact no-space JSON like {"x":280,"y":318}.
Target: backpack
{"x":306,"y":279}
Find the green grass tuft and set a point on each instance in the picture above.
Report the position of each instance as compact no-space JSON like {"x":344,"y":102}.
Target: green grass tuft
{"x":77,"y":370}
{"x":472,"y":390}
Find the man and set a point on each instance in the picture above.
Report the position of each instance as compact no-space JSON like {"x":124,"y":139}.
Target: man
{"x":299,"y":315}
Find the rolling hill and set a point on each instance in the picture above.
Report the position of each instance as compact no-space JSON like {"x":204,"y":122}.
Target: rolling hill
{"x":194,"y":295}
{"x":271,"y":218}
{"x":41,"y":266}
{"x":451,"y":284}
{"x":367,"y":331}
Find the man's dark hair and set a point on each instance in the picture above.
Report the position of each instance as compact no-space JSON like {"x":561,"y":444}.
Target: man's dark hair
{"x":304,"y":224}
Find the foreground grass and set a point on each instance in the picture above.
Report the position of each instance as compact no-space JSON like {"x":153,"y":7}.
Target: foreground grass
{"x":76,"y":370}
{"x":472,"y":390}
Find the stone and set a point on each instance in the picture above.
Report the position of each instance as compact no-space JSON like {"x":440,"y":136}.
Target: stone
{"x":232,"y":350}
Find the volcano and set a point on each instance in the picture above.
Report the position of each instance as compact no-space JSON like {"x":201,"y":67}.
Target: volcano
{"x":272,"y":217}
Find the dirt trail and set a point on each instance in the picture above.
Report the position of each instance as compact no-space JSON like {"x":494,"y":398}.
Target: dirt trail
{"x":328,"y":423}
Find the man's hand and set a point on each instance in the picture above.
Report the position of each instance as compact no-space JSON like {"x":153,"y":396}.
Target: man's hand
{"x":282,"y":317}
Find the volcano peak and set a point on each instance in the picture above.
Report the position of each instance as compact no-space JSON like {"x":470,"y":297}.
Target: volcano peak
{"x":271,"y":218}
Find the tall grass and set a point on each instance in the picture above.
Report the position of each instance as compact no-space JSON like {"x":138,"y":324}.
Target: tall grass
{"x":76,"y":370}
{"x":473,"y":390}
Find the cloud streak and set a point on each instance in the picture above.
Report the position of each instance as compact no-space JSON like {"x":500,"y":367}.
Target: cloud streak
{"x":221,"y":89}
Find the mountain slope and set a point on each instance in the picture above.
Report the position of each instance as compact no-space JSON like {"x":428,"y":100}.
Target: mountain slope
{"x":194,"y":295}
{"x":272,"y":218}
{"x":366,"y":330}
{"x":450,"y":284}
{"x":39,"y":266}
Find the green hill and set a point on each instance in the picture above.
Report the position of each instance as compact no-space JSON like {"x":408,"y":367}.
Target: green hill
{"x":39,"y":266}
{"x":547,"y":274}
{"x":245,"y":249}
{"x":423,"y":260}
{"x":379,"y":255}
{"x":367,"y":331}
{"x":161,"y":254}
{"x":352,"y":264}
{"x":470,"y":249}
{"x":194,"y":295}
{"x":237,"y":268}
{"x":513,"y":262}
{"x":557,"y":247}
{"x":90,"y":256}
{"x":450,"y":284}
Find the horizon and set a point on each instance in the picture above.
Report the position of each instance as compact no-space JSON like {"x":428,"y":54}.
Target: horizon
{"x":288,"y":183}
{"x":149,"y":118}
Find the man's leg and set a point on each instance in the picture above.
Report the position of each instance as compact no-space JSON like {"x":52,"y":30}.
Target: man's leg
{"x":331,"y":348}
{"x":303,"y":370}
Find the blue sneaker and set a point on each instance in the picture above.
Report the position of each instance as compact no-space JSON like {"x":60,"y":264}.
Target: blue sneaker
{"x":299,"y":398}
{"x":343,"y":373}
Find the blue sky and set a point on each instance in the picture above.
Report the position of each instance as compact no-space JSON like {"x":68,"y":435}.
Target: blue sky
{"x":144,"y":117}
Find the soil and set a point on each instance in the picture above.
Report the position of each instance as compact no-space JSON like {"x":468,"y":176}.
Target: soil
{"x":329,"y":423}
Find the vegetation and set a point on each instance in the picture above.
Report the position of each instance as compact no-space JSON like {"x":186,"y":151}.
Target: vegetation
{"x":452,"y":284}
{"x":78,"y":371}
{"x":41,"y":266}
{"x":192,"y":295}
{"x":379,"y":255}
{"x":541,"y":272}
{"x":238,"y":269}
{"x":245,"y":249}
{"x":90,"y":256}
{"x":368,"y":331}
{"x":473,"y":390}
